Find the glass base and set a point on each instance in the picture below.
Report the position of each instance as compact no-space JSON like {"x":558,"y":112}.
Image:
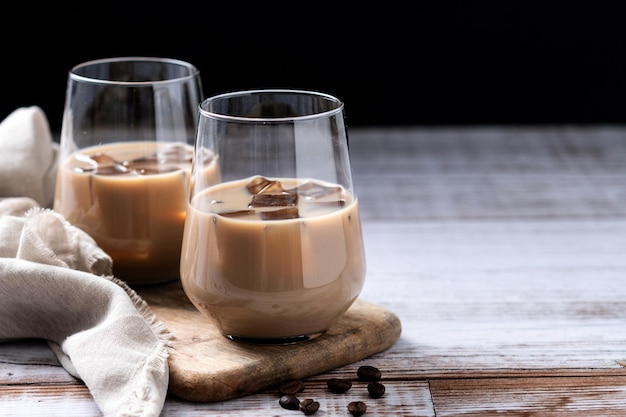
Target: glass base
{"x":289,"y":340}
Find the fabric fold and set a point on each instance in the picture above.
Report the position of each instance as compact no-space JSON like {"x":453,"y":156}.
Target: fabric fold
{"x":56,"y":284}
{"x":99,"y":329}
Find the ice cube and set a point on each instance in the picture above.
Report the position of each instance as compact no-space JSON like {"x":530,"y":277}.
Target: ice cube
{"x":274,"y":187}
{"x":144,"y":160}
{"x":328,"y":203}
{"x":267,"y":193}
{"x":312,"y":190}
{"x":176,"y":153}
{"x":274,"y":200}
{"x":106,"y":165}
{"x":256,"y":185}
{"x":280,"y":214}
{"x":238,"y":213}
{"x":103,"y":159}
{"x":149,"y":168}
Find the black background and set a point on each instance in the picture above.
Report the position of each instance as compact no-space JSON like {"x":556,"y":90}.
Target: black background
{"x":449,"y":63}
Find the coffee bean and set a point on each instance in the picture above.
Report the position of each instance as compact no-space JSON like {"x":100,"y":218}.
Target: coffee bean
{"x":292,"y":387}
{"x":368,"y":373}
{"x":289,"y":402}
{"x":309,"y":406}
{"x":338,"y":386}
{"x":376,"y":389}
{"x":357,"y":408}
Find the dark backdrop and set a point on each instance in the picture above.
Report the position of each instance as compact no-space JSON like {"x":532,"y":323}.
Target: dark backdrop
{"x":413,"y":64}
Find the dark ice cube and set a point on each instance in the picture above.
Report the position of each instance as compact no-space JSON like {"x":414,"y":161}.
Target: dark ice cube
{"x":280,"y":214}
{"x":267,"y":193}
{"x":143,"y":160}
{"x":258,"y":184}
{"x":238,"y":213}
{"x":261,"y":185}
{"x":273,"y":187}
{"x":103,"y":159}
{"x":274,"y":200}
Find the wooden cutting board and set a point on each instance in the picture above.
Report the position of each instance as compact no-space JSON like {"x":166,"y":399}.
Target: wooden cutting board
{"x":205,"y":366}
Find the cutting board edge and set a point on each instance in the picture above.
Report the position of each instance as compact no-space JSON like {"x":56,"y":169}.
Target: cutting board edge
{"x":386,"y":332}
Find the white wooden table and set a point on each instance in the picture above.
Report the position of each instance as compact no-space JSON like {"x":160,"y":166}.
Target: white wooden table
{"x":503,"y":252}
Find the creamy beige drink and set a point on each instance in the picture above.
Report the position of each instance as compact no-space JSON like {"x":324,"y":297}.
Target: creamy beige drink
{"x":271,"y":259}
{"x":131,"y":198}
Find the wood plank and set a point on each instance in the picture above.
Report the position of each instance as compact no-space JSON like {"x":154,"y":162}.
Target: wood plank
{"x":552,"y":396}
{"x":47,"y":400}
{"x":402,"y":399}
{"x":30,"y":362}
{"x":489,"y":172}
{"x":501,"y":297}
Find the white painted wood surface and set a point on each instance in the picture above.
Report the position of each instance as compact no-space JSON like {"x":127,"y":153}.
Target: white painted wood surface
{"x":503,"y":252}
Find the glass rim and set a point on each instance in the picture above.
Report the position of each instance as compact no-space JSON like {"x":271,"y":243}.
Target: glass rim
{"x":339,"y":105}
{"x":193,"y":70}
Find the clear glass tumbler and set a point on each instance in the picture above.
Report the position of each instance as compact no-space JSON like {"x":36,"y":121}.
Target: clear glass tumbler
{"x":125,"y":160}
{"x":273,"y":247}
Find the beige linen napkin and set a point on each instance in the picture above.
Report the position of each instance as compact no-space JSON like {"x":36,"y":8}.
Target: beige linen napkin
{"x":27,"y":156}
{"x":56,"y":284}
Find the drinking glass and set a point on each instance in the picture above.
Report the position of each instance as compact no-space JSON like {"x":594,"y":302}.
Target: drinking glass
{"x":125,"y":159}
{"x":273,"y":247}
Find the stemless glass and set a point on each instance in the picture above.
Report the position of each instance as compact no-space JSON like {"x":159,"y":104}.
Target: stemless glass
{"x":273,"y":248}
{"x":125,"y":158}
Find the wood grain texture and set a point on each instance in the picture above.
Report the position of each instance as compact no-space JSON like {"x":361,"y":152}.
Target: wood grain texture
{"x":500,"y":297}
{"x":554,"y":396}
{"x":503,"y":255}
{"x":206,"y":366}
{"x":489,"y":173}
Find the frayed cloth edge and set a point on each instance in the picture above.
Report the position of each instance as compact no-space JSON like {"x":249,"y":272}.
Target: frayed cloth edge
{"x":139,"y":400}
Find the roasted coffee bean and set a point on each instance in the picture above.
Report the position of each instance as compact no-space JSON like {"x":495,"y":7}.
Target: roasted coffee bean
{"x":368,"y":373}
{"x":338,"y":386}
{"x":292,"y":387}
{"x":309,"y":406}
{"x":290,"y":402}
{"x":376,"y":389}
{"x":357,"y":408}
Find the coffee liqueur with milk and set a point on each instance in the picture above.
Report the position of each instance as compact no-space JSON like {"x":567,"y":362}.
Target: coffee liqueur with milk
{"x":131,"y":198}
{"x":258,"y":250}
